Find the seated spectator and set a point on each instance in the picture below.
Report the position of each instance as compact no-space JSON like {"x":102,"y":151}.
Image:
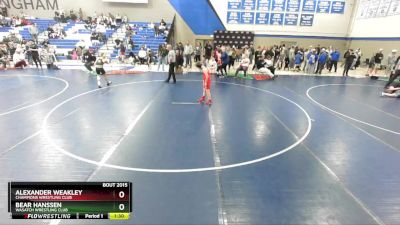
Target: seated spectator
{"x":17,"y":22}
{"x":142,"y":55}
{"x":244,"y":64}
{"x":117,"y":43}
{"x":151,"y":25}
{"x":122,"y":53}
{"x":94,"y":38}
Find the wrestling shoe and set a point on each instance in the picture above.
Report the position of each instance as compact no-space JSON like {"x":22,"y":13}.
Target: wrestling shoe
{"x":202,"y":99}
{"x":209,"y":102}
{"x":109,"y":83}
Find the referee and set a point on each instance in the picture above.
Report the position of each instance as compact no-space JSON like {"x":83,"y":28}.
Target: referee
{"x":171,"y":59}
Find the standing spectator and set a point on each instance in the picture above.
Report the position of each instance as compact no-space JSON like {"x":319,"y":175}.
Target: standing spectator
{"x":348,"y":62}
{"x":208,"y":50}
{"x":322,"y":59}
{"x":357,"y":61}
{"x":188,"y":51}
{"x":311,"y":61}
{"x":171,"y":59}
{"x":394,"y":75}
{"x":251,"y":53}
{"x":232,"y":57}
{"x":33,"y":30}
{"x":34,"y":51}
{"x":376,"y":61}
{"x":305,"y":59}
{"x":162,"y":56}
{"x":292,"y":54}
{"x":335,"y":55}
{"x":197,"y":52}
{"x":392,"y":57}
{"x":257,"y":55}
{"x":298,"y":59}
{"x":225,"y":60}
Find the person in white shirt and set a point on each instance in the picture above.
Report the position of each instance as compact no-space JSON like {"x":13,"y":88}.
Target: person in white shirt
{"x":171,"y":59}
{"x":187,"y":52}
{"x":142,"y":54}
{"x":244,"y":64}
{"x":392,"y":57}
{"x":19,"y":58}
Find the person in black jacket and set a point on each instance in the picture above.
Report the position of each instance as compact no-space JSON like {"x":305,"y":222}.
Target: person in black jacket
{"x":89,"y":59}
{"x":348,"y":62}
{"x":34,"y":51}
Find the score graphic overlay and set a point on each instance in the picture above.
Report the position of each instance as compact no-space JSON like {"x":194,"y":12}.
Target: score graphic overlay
{"x":70,"y":200}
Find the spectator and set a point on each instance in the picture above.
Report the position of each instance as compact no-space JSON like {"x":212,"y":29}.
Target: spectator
{"x":208,"y":50}
{"x":292,"y":55}
{"x":375,"y":64}
{"x":197,"y":52}
{"x":311,"y":61}
{"x":188,"y":51}
{"x":348,"y":62}
{"x":335,"y":55}
{"x":142,"y":55}
{"x":34,"y":51}
{"x":392,"y":57}
{"x":322,"y":59}
{"x":244,"y":65}
{"x":162,"y":56}
{"x":298,"y":59}
{"x":19,"y":59}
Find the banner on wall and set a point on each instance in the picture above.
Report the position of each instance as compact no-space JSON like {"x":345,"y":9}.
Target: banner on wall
{"x":309,"y":5}
{"x":306,"y":20}
{"x":249,"y":4}
{"x":293,"y":6}
{"x":276,"y":19}
{"x":323,"y":6}
{"x":234,"y":4}
{"x":233,"y":17}
{"x":278,"y":5}
{"x":338,"y":7}
{"x":363,"y":9}
{"x":383,"y":8}
{"x":247,"y":17}
{"x":264,"y":5}
{"x":262,"y":18}
{"x":291,"y":19}
{"x":394,"y":8}
{"x":372,"y":9}
{"x":236,"y":38}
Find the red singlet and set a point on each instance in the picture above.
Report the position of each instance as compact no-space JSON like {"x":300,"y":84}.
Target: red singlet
{"x":207,"y":80}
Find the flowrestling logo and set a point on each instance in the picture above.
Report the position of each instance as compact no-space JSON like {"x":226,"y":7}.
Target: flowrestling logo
{"x":30,"y":4}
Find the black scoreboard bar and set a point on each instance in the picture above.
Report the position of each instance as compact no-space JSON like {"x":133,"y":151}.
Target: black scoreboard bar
{"x":70,"y":200}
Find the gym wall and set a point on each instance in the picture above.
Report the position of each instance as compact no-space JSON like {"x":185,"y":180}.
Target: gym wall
{"x":376,"y":26}
{"x":155,"y":10}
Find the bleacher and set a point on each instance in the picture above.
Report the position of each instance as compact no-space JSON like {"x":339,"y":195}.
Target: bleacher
{"x":144,"y":36}
{"x":76,"y":31}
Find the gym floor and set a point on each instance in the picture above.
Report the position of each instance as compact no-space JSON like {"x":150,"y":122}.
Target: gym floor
{"x":297,"y":150}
